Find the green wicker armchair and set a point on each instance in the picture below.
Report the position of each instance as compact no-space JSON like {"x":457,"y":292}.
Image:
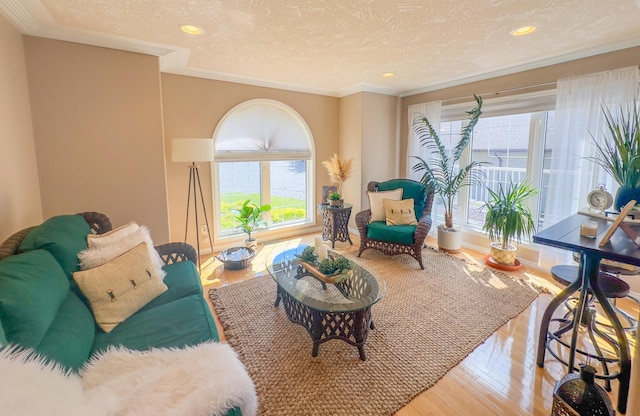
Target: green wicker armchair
{"x":397,"y":239}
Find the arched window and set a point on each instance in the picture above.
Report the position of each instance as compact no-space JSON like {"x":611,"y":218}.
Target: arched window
{"x":263,"y":152}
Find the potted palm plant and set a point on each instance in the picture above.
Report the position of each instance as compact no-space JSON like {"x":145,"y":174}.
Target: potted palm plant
{"x":250,"y":216}
{"x":443,"y":174}
{"x":618,"y":152}
{"x":508,"y":220}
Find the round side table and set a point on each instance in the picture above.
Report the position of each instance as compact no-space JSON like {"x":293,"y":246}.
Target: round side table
{"x":335,"y":223}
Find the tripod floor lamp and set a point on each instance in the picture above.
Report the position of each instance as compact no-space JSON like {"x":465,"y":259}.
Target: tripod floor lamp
{"x":192,"y":151}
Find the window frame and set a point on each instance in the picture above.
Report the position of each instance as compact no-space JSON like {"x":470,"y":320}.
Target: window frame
{"x":219,"y":235}
{"x":538,"y":104}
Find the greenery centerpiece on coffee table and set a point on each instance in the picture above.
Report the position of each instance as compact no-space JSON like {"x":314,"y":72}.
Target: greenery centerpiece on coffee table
{"x":327,"y":270}
{"x":443,"y":173}
{"x":618,"y":152}
{"x":508,"y":220}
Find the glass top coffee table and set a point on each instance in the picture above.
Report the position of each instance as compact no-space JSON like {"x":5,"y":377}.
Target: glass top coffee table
{"x":328,"y":311}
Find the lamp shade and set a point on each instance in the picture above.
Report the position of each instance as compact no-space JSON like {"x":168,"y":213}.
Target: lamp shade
{"x":191,"y":150}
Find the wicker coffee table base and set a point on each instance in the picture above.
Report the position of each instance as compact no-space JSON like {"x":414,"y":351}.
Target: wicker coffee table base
{"x":351,"y":327}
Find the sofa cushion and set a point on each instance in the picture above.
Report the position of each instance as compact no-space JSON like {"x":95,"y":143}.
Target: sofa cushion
{"x":111,"y":237}
{"x":70,"y":336}
{"x":63,"y":236}
{"x":3,"y":337}
{"x":185,"y":321}
{"x":402,"y":234}
{"x":118,"y":289}
{"x":32,"y":288}
{"x":103,"y":251}
{"x":182,"y":279}
{"x":410,"y":189}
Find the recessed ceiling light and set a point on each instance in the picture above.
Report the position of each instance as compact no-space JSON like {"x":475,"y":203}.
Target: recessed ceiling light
{"x":389,"y":75}
{"x":524,"y":30}
{"x":191,"y":30}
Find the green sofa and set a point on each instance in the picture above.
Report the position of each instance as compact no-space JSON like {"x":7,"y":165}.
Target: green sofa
{"x":42,"y":308}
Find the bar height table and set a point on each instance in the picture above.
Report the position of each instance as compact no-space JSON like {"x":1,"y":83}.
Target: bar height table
{"x":566,"y":235}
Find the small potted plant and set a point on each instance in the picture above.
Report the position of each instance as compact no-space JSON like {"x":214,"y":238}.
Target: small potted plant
{"x":508,"y":220}
{"x":250,"y":217}
{"x":335,"y":200}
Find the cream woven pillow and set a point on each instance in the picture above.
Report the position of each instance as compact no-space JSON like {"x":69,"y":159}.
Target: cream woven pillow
{"x":118,"y":289}
{"x":376,"y":203}
{"x":400,"y":212}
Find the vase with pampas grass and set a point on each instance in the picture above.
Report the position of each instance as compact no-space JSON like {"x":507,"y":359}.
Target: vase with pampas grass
{"x":339,"y":171}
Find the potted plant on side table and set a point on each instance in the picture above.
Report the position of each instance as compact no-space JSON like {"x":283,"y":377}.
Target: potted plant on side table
{"x":508,"y":220}
{"x":444,"y":176}
{"x":250,"y":216}
{"x":335,"y":200}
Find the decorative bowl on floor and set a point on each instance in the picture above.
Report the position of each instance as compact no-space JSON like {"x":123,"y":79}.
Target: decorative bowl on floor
{"x":236,"y":258}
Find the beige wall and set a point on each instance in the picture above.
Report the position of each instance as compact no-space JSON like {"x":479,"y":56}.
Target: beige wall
{"x":369,"y":136}
{"x":20,"y":204}
{"x":97,"y":121}
{"x":540,"y":79}
{"x":193,"y":107}
{"x":351,"y":131}
{"x":380,"y":139}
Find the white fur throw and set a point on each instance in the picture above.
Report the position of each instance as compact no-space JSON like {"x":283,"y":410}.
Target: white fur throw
{"x":30,"y":386}
{"x":104,"y":253}
{"x":206,"y":380}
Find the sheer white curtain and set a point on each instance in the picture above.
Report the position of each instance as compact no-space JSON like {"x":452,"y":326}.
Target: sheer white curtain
{"x":579,"y":105}
{"x":432,"y":112}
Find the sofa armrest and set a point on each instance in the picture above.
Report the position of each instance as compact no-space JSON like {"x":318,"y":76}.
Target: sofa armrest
{"x":362,"y":220}
{"x":98,"y":222}
{"x":175,"y":252}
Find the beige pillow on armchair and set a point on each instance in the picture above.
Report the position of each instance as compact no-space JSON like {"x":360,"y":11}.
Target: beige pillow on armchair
{"x":400,"y":212}
{"x":376,"y":202}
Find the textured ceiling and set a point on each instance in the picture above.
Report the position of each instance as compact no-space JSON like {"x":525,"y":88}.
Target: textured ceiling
{"x":337,"y":47}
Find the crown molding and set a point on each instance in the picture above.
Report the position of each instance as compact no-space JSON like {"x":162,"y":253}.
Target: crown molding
{"x":572,"y":56}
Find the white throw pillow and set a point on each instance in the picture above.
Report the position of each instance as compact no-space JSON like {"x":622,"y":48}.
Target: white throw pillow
{"x":110,"y":237}
{"x":118,"y":289}
{"x":125,"y":241}
{"x":376,"y":202}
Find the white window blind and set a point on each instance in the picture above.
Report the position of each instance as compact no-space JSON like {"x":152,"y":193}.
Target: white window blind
{"x":500,"y":106}
{"x":262,"y":130}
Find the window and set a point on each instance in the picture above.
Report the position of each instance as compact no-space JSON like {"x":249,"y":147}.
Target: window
{"x":513,"y":139}
{"x":263,"y":153}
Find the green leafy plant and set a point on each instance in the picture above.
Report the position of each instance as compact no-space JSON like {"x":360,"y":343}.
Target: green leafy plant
{"x":250,"y":216}
{"x":618,"y":152}
{"x":309,"y":255}
{"x":334,"y":196}
{"x":508,"y":219}
{"x":442,"y":172}
{"x":331,"y":266}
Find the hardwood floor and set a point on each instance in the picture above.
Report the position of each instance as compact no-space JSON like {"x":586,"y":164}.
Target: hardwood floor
{"x":500,"y":377}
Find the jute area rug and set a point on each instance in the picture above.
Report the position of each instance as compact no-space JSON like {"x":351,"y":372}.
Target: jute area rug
{"x":427,"y":323}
